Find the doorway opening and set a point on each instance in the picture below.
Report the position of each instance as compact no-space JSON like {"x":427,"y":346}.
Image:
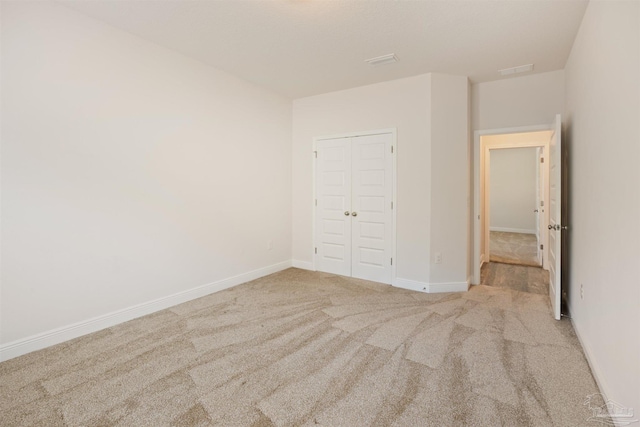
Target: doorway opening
{"x":515,"y":205}
{"x":512,"y":181}
{"x":549,"y":139}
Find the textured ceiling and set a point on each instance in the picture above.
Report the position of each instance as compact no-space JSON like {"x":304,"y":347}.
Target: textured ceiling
{"x":306,"y":47}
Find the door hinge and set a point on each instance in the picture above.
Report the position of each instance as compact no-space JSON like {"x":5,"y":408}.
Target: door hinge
{"x":392,"y":149}
{"x":391,"y":205}
{"x":391,"y":261}
{"x":541,"y":247}
{"x":316,"y":202}
{"x":315,"y":153}
{"x":541,"y":159}
{"x":316,"y":250}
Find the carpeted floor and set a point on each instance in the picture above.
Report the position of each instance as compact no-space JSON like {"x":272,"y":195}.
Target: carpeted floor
{"x":515,"y":277}
{"x":303,"y":348}
{"x":513,"y":248}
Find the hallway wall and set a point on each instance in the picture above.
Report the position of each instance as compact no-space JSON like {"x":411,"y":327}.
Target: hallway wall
{"x":513,"y":190}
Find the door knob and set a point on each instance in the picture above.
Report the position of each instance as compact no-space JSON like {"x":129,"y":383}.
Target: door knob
{"x":346,"y":213}
{"x":535,"y":210}
{"x":354,"y":213}
{"x":550,"y":227}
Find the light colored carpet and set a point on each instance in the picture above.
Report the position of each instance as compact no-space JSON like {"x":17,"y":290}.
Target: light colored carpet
{"x":301,"y":348}
{"x":513,"y":248}
{"x":515,"y":277}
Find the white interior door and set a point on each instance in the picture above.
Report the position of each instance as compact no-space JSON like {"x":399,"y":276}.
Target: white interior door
{"x":333,"y":211}
{"x":371,"y":207}
{"x":354,"y":217}
{"x":555,"y":210}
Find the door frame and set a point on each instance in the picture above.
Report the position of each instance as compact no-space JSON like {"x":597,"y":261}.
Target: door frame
{"x":541,"y":219}
{"x":480,"y":165}
{"x":394,"y":144}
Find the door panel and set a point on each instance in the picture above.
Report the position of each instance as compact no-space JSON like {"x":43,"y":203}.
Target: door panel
{"x":372,"y":166}
{"x":555,"y":227}
{"x":333,"y":195}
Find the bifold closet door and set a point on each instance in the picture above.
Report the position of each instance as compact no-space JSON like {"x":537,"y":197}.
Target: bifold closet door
{"x":354,"y":193}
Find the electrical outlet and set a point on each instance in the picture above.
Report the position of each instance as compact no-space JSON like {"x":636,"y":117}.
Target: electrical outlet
{"x":438,"y":258}
{"x":581,"y":291}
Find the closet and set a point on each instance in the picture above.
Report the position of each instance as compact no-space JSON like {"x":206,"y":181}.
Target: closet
{"x":354,"y":206}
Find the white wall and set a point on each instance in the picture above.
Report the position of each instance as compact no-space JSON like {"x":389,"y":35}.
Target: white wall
{"x":602,"y":130}
{"x":129,"y":172}
{"x":519,"y":101}
{"x":528,"y":100}
{"x":449,"y":178}
{"x":404,"y":104}
{"x":411,"y":105}
{"x":513,"y":189}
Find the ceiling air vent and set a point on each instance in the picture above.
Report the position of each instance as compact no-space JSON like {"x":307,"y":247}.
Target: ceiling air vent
{"x":384,"y":59}
{"x":516,"y":70}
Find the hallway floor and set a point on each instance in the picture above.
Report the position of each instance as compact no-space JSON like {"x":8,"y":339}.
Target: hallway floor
{"x":515,"y":277}
{"x":513,"y":248}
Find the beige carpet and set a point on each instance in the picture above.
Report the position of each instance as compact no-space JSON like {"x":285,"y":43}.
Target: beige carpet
{"x":513,"y":248}
{"x":515,"y":277}
{"x":300,"y":348}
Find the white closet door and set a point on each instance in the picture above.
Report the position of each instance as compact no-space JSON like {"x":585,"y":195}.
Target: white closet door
{"x":371,"y":198}
{"x":333,"y":212}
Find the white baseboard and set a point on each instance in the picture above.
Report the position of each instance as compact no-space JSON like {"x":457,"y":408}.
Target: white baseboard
{"x":412,"y":285}
{"x":65,"y":333}
{"x":448,"y":287}
{"x":513,"y":230}
{"x":431,"y":288}
{"x":304,"y":265}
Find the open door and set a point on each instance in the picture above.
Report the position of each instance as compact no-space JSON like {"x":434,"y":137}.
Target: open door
{"x":555,"y":214}
{"x":537,"y":210}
